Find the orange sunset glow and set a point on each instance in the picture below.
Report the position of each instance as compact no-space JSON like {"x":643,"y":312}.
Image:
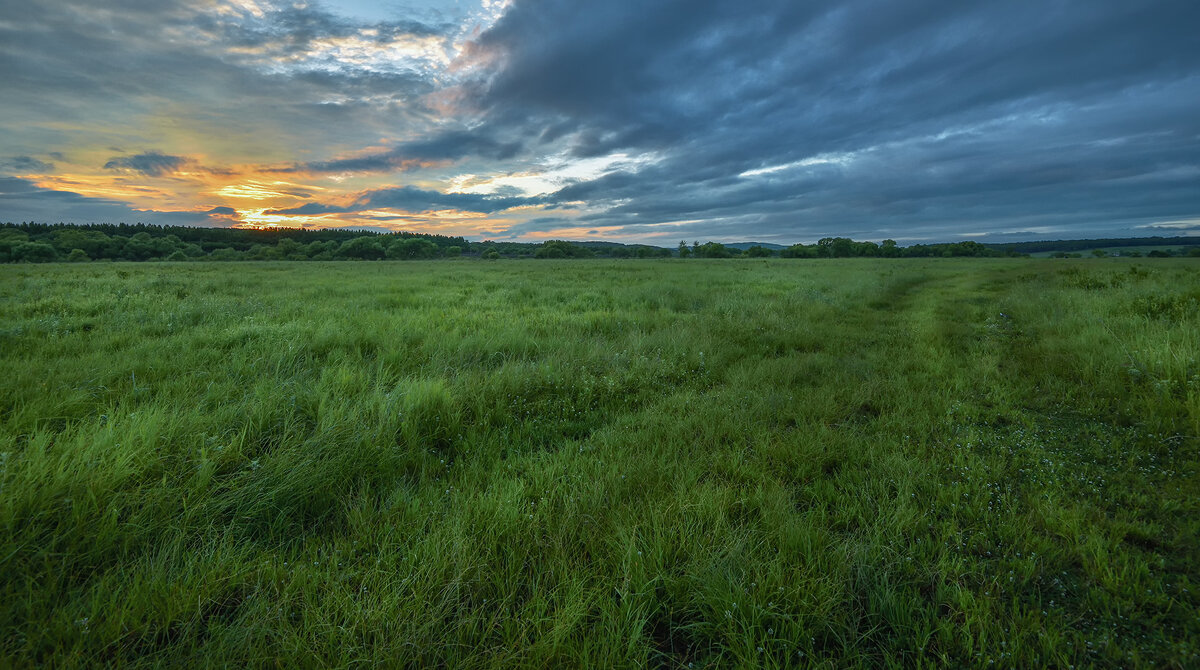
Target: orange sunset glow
{"x":192,"y":158}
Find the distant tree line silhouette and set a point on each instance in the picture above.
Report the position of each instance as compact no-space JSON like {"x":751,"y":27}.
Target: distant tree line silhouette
{"x":41,"y":243}
{"x":844,"y":247}
{"x":44,"y":243}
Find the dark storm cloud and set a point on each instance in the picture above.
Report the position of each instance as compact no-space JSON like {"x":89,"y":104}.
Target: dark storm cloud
{"x":414,"y":200}
{"x":892,"y":116}
{"x":873,"y":69}
{"x":151,"y":163}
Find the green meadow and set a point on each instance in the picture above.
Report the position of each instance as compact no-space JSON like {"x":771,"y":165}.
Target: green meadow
{"x":659,"y":463}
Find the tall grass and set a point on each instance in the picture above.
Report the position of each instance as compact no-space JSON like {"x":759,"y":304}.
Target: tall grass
{"x":671,"y":463}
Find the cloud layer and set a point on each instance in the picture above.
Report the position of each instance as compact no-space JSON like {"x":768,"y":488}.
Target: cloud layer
{"x":780,"y":121}
{"x":151,"y":163}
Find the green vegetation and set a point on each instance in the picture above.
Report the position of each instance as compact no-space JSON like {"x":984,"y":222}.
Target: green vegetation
{"x":973,"y":463}
{"x":40,"y":243}
{"x":843,"y":247}
{"x":562,"y":249}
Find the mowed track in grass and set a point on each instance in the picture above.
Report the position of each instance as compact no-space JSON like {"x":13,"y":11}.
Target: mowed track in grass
{"x":602,"y":464}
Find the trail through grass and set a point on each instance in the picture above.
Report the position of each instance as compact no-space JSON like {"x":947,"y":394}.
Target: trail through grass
{"x":745,"y":463}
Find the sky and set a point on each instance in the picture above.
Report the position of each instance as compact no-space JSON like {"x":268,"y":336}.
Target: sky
{"x":649,"y":121}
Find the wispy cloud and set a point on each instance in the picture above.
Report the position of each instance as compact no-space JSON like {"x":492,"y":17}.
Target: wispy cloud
{"x":1185,"y":226}
{"x":415,"y":200}
{"x":151,"y":163}
{"x":24,"y":165}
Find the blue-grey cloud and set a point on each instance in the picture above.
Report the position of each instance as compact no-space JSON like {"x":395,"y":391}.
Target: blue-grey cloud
{"x":150,"y":163}
{"x":24,"y":165}
{"x":448,"y":146}
{"x":794,"y":120}
{"x":310,"y":208}
{"x":415,"y":201}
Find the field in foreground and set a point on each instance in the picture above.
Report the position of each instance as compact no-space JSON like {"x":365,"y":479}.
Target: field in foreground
{"x":660,"y":463}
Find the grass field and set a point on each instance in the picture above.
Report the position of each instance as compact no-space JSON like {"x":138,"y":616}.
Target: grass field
{"x":979,"y":463}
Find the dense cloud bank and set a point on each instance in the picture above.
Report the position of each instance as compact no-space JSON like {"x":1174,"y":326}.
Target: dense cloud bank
{"x":867,"y":117}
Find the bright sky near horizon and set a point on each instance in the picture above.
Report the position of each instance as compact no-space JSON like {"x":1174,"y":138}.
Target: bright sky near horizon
{"x":776,"y":121}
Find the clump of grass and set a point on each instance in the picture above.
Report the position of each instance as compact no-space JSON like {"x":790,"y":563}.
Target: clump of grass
{"x":429,"y":415}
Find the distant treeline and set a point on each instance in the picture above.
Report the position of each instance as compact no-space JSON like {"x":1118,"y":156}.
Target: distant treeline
{"x":1087,"y":245}
{"x":41,"y":243}
{"x":844,"y":247}
{"x":841,"y":247}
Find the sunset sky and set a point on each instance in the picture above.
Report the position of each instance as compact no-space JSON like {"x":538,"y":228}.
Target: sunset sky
{"x":629,"y":120}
